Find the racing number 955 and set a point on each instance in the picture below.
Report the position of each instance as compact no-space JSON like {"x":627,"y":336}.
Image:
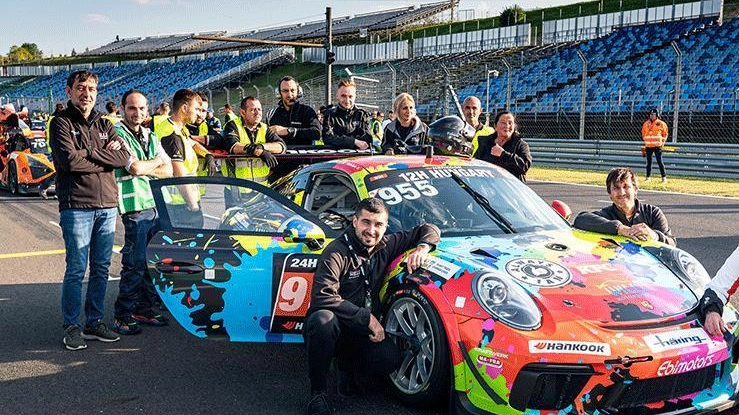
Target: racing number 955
{"x":392,"y":195}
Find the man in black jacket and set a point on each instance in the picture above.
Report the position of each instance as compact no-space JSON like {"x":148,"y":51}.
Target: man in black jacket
{"x":295,"y":123}
{"x":345,"y":125}
{"x":86,"y":149}
{"x":627,"y":216}
{"x":345,"y":297}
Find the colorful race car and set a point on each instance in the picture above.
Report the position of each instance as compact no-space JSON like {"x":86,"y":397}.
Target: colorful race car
{"x":517,"y":312}
{"x":26,"y":166}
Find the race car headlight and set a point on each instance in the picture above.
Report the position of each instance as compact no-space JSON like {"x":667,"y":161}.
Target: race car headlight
{"x":506,"y":301}
{"x":685,"y":266}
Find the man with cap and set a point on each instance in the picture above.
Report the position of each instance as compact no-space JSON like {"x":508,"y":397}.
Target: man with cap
{"x":654,"y":134}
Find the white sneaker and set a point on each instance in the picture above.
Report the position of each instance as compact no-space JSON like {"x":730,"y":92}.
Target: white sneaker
{"x":664,"y":180}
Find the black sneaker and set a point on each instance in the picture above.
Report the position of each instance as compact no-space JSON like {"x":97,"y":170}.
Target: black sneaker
{"x":99,"y":331}
{"x":126,"y":325}
{"x":73,"y":338}
{"x":347,"y":384}
{"x":319,"y":405}
{"x":151,"y":317}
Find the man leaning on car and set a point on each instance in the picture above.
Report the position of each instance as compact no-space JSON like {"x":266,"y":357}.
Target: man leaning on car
{"x":627,"y":216}
{"x":342,"y":318}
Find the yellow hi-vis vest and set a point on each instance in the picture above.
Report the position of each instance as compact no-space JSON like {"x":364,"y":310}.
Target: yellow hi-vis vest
{"x":190,"y":161}
{"x":485,"y":130}
{"x":251,"y":168}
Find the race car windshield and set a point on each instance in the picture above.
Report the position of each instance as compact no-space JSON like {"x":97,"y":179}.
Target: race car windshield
{"x":485,"y":202}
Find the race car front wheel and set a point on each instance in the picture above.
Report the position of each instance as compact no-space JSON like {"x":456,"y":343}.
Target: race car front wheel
{"x":12,"y":178}
{"x":423,"y":377}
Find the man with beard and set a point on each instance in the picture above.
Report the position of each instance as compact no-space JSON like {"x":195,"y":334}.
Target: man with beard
{"x":345,"y":303}
{"x":293,"y":122}
{"x":627,"y":216}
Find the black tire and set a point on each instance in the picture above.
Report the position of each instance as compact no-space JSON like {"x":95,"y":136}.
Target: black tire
{"x":424,"y":376}
{"x":12,"y":178}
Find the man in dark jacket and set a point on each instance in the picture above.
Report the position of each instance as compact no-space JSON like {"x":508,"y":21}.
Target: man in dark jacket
{"x":345,"y":125}
{"x":627,"y":216}
{"x":86,"y":149}
{"x":345,"y":298}
{"x":293,"y":122}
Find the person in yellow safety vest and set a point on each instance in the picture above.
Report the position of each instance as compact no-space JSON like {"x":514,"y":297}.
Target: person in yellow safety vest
{"x":228,"y":114}
{"x":184,"y":152}
{"x":161,"y":115}
{"x":654,"y":133}
{"x":148,"y":160}
{"x":200,"y":131}
{"x":247,"y":135}
{"x":472,"y":108}
{"x":112,"y":114}
{"x":376,"y":129}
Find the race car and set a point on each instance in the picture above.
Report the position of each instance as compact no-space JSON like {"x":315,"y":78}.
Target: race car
{"x":26,"y":166}
{"x":516,"y":312}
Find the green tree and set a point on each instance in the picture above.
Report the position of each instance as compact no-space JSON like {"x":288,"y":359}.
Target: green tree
{"x":512,"y":16}
{"x":25,"y":52}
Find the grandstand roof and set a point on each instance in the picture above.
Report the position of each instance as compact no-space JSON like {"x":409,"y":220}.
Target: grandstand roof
{"x":341,"y":26}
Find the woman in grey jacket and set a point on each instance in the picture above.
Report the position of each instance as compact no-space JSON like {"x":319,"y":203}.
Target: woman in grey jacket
{"x":407,"y":133}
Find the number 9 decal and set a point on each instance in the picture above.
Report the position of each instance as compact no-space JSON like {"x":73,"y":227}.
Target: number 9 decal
{"x":293,"y":294}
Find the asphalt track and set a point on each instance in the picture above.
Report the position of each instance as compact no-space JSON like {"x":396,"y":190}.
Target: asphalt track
{"x":167,"y":371}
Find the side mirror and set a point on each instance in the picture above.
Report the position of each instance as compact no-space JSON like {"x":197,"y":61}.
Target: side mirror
{"x":298,"y":230}
{"x":562,"y":208}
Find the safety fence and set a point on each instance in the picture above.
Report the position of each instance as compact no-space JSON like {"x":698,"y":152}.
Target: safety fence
{"x":687,"y":159}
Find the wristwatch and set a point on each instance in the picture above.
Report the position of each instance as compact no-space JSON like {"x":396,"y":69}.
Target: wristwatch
{"x":291,"y":131}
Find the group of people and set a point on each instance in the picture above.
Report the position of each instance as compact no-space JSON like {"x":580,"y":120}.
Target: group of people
{"x":104,"y":166}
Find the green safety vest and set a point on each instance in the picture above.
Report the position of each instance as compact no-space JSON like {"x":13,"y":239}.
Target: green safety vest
{"x":251,"y":168}
{"x":165,"y":129}
{"x":134,"y":192}
{"x":376,"y":129}
{"x":485,"y":130}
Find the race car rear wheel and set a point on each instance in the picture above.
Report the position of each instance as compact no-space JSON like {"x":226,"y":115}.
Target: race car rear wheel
{"x":12,"y":178}
{"x":423,"y":377}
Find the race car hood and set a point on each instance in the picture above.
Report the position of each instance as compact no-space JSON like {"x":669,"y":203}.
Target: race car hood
{"x":572,"y":275}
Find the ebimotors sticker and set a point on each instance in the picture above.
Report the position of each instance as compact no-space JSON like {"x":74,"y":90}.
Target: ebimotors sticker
{"x":569,"y":347}
{"x":678,"y":339}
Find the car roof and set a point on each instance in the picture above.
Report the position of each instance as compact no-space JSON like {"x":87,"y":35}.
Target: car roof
{"x":381,"y":163}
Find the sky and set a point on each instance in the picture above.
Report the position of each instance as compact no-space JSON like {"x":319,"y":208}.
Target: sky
{"x":58,"y":26}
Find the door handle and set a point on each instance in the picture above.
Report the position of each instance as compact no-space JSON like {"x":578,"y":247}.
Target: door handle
{"x":178,"y":268}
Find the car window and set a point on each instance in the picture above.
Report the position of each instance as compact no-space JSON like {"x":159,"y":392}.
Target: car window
{"x":432,"y":195}
{"x":333,"y":198}
{"x":225,"y":207}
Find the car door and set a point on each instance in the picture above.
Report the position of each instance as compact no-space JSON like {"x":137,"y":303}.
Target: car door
{"x":241,"y":266}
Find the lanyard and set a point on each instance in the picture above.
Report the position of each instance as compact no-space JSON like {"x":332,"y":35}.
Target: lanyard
{"x":363,"y":272}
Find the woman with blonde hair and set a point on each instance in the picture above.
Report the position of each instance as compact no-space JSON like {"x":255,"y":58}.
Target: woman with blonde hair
{"x":407,"y":133}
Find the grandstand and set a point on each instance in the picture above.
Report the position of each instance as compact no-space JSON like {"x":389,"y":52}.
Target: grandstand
{"x":630,"y":64}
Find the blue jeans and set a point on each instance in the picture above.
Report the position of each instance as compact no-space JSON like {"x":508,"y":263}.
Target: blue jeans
{"x":88,"y":234}
{"x":135,"y":288}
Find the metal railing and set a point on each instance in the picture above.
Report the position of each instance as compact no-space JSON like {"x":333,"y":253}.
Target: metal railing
{"x":686,"y":159}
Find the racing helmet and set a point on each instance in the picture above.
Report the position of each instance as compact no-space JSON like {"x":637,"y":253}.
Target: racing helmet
{"x":450,"y":135}
{"x":235,"y":219}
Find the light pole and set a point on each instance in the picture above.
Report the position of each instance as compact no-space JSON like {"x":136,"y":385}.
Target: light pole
{"x":508,"y":87}
{"x":255,"y":87}
{"x":495,"y":74}
{"x":678,"y":70}
{"x":584,"y":92}
{"x":242,"y":91}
